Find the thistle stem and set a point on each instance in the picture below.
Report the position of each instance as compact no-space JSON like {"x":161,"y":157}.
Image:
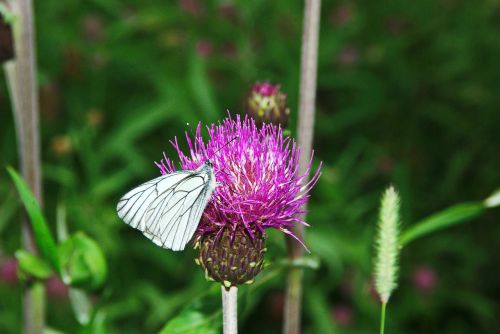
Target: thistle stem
{"x":307,"y":101}
{"x":382,"y":318}
{"x":230,"y":309}
{"x":21,"y":80}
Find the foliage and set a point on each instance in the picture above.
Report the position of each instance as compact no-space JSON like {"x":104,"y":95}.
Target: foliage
{"x":407,"y":94}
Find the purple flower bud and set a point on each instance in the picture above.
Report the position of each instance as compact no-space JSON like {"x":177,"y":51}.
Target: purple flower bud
{"x":231,"y":261}
{"x":266,"y":103}
{"x":8,"y":270}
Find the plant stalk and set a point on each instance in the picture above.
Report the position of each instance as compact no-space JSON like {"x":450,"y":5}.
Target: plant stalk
{"x":230,"y":309}
{"x":382,"y":318}
{"x":307,"y":102}
{"x":21,"y":80}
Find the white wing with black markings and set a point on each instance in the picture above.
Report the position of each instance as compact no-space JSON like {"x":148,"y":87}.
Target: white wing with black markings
{"x":168,"y":209}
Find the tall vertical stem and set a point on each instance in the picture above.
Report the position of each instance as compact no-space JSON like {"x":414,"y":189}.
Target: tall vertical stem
{"x":230,"y":310}
{"x":307,"y":98}
{"x":21,"y":78}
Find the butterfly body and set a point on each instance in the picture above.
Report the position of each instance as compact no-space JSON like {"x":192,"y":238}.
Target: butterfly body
{"x":168,"y":208}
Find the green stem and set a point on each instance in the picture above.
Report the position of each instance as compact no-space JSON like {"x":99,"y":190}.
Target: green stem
{"x":382,"y":318}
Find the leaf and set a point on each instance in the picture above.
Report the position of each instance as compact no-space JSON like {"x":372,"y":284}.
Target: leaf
{"x":81,"y":305}
{"x":43,"y":237}
{"x":319,"y":310}
{"x":83,"y":262}
{"x":141,"y":122}
{"x":192,"y":322}
{"x":7,"y":15}
{"x":7,"y":209}
{"x":307,"y":261}
{"x":203,"y":315}
{"x":33,"y":266}
{"x":451,"y":216}
{"x":203,"y":93}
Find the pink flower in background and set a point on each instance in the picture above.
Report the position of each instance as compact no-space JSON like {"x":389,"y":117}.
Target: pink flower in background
{"x":228,"y":11}
{"x":424,"y":279}
{"x":8,"y":270}
{"x":341,"y":15}
{"x":342,"y":315}
{"x":56,"y":288}
{"x":257,"y":170}
{"x":204,"y":48}
{"x":348,"y":56}
{"x":229,"y":50}
{"x":93,"y":28}
{"x":192,"y":7}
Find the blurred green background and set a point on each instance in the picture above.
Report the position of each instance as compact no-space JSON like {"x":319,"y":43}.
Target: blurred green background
{"x":408,"y":93}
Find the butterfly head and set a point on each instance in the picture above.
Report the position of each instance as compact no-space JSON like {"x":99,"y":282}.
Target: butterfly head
{"x":208,"y":163}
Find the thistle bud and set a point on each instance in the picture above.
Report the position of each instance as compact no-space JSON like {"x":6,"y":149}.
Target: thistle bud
{"x":233,"y":259}
{"x":266,"y":103}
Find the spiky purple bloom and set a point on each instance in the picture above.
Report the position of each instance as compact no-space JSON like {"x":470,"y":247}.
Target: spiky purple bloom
{"x":259,"y":185}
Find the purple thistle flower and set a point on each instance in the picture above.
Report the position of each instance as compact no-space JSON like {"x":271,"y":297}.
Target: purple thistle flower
{"x":259,"y":185}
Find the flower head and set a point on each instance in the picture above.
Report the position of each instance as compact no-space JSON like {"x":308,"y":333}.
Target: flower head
{"x":259,"y":186}
{"x":267,"y":103}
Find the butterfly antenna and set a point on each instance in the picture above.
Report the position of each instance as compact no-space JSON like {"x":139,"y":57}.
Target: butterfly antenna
{"x":229,"y":142}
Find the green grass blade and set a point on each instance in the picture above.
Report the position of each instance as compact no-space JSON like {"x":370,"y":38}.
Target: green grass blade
{"x":451,"y":216}
{"x":43,"y":237}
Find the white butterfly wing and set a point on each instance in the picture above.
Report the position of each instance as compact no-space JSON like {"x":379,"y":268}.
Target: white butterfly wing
{"x":168,"y":209}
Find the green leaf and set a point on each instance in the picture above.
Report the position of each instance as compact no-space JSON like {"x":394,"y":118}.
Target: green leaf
{"x":192,"y":322}
{"x":203,"y":315}
{"x":203,"y":93}
{"x":307,"y":261}
{"x":83,"y":262}
{"x":451,"y":216}
{"x":81,"y":305}
{"x":319,"y":309}
{"x":7,"y":209}
{"x":7,"y":14}
{"x":43,"y":237}
{"x":33,"y":266}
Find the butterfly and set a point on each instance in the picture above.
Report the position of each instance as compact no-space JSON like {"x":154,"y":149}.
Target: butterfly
{"x":168,"y":208}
